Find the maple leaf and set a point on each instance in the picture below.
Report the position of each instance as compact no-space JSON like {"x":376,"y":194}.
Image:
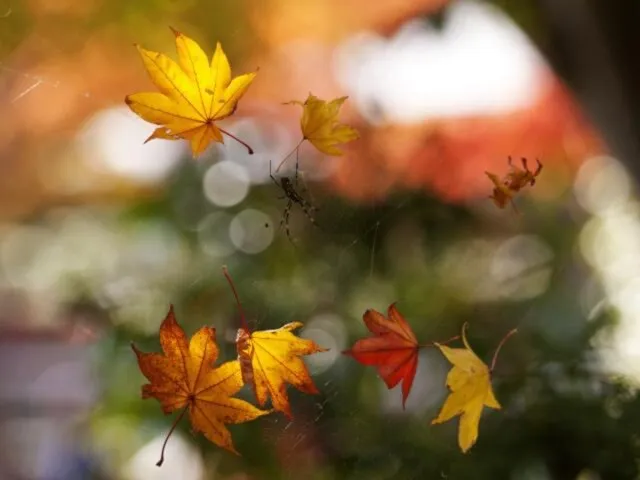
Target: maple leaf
{"x":320,"y":126}
{"x":470,"y":384}
{"x":193,"y":94}
{"x":271,"y":359}
{"x":505,"y":189}
{"x":392,"y":350}
{"x":184,"y":378}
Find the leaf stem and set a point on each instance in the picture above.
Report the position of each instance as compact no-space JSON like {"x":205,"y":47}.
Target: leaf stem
{"x":173,"y":427}
{"x":502,"y":342}
{"x":245,"y":144}
{"x":295,"y":149}
{"x":243,"y":319}
{"x":433,"y":344}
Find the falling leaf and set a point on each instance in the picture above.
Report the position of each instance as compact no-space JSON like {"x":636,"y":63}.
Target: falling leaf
{"x":392,"y":350}
{"x":470,"y":384}
{"x":184,"y":378}
{"x":505,"y":189}
{"x":193,"y":94}
{"x":320,"y":126}
{"x":271,"y":359}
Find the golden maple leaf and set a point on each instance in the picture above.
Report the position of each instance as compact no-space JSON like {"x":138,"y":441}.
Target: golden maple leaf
{"x":320,"y":126}
{"x":470,"y":384}
{"x":270,"y":359}
{"x":184,"y":377}
{"x":193,"y":94}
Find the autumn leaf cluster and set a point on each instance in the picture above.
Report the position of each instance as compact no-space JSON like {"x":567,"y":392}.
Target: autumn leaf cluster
{"x":184,"y":377}
{"x":195,"y":93}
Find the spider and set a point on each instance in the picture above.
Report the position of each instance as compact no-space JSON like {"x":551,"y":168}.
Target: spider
{"x":288,"y":188}
{"x":504,"y":190}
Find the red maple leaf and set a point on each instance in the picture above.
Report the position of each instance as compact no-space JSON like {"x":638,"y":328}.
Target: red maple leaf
{"x":392,"y":350}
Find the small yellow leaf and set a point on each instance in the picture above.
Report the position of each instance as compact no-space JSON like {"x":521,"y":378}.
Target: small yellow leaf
{"x":470,"y":384}
{"x":320,"y":125}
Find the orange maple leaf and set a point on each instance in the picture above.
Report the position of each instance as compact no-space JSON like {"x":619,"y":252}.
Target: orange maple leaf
{"x":270,"y":359}
{"x":193,"y":94}
{"x":504,"y":190}
{"x":184,"y":377}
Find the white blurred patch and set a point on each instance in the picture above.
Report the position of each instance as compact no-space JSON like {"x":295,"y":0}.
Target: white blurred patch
{"x":113,"y":140}
{"x":181,"y":460}
{"x":480,"y":63}
{"x":250,"y":231}
{"x":602,"y":183}
{"x":610,"y":243}
{"x":226,"y":183}
{"x":515,"y":269}
{"x":328,"y":331}
{"x":518,"y":265}
{"x":213,"y":235}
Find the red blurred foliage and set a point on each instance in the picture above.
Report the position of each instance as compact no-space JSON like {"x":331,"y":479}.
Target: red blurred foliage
{"x":445,"y":156}
{"x":449,"y":156}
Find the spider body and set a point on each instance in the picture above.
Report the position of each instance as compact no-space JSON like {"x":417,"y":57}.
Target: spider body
{"x":293,"y":198}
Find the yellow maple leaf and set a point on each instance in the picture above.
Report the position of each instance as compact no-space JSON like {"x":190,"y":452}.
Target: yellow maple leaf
{"x":470,"y":384}
{"x":185,"y":378}
{"x":271,"y":359}
{"x":320,"y":126}
{"x":193,"y":94}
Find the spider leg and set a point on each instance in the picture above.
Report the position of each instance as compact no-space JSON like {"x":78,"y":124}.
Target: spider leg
{"x":272,"y":177}
{"x":524,"y":164}
{"x":510,"y":161}
{"x":275,"y":181}
{"x":539,"y":169}
{"x":297,"y":165}
{"x":306,"y":190}
{"x":307,"y":211}
{"x":284,"y":222}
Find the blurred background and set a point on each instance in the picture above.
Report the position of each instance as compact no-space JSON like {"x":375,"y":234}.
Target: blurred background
{"x":99,"y":233}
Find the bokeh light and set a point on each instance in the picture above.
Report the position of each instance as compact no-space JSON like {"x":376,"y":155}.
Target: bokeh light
{"x":226,"y":184}
{"x":251,"y":231}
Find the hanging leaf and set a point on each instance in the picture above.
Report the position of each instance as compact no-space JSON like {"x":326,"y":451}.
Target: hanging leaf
{"x":470,"y":384}
{"x":505,"y":189}
{"x":271,"y":359}
{"x":320,"y":126}
{"x":392,"y":350}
